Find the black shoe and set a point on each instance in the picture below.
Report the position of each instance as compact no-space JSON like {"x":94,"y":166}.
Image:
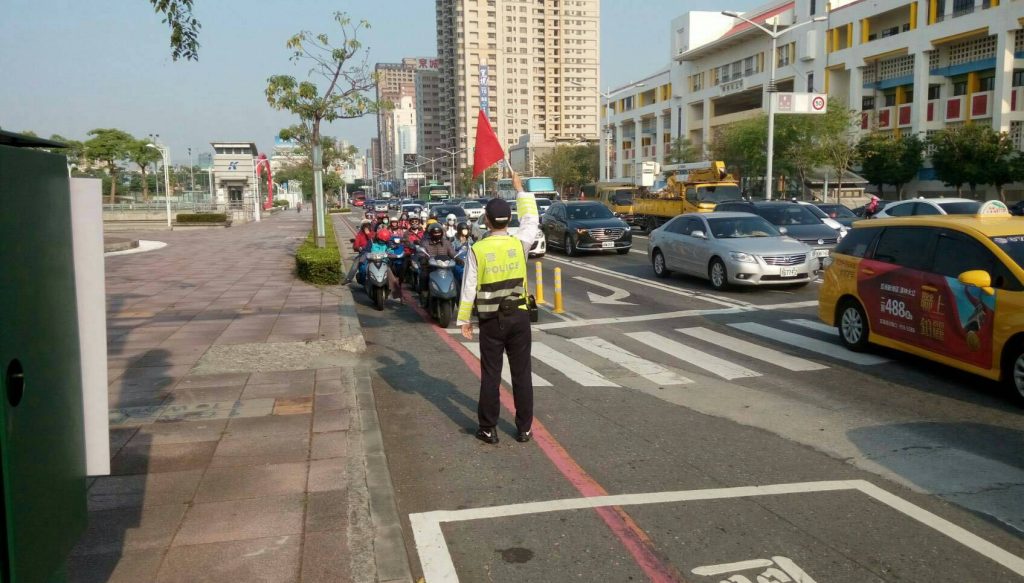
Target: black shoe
{"x":524,"y":436}
{"x":487,"y":435}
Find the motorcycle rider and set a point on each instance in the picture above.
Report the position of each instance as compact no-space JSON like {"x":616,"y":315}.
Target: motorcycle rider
{"x":462,"y":237}
{"x":382,"y":244}
{"x":450,"y":226}
{"x":363,"y":240}
{"x":434,"y":245}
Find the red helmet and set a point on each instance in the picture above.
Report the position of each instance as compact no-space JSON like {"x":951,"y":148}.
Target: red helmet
{"x":383,"y":235}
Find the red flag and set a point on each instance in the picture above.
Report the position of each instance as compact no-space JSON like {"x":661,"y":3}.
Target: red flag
{"x":488,"y":148}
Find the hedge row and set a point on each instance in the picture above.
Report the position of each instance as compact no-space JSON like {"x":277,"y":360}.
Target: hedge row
{"x":281,"y":202}
{"x":201,"y":218}
{"x":319,"y":266}
{"x":340,"y":210}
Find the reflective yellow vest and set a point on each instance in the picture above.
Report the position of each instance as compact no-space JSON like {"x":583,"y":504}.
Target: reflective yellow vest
{"x":501,"y":273}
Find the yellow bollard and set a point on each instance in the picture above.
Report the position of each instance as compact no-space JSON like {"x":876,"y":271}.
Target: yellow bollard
{"x":559,"y":308}
{"x":540,"y":284}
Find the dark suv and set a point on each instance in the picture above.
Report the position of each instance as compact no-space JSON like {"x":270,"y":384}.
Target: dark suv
{"x":579,"y":226}
{"x":792,"y":219}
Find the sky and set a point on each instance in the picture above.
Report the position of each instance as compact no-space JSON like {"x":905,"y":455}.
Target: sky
{"x":69,"y":66}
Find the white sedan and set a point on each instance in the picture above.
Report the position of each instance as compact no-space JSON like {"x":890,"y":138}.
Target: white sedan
{"x":474,"y":209}
{"x":540,"y":244}
{"x":929,"y":206}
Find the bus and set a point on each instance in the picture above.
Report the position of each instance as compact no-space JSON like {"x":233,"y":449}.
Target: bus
{"x":437,"y":192}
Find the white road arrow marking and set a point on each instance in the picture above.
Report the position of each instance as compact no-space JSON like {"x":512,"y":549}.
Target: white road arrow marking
{"x":615,"y":299}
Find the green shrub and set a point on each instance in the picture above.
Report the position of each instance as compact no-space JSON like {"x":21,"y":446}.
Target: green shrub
{"x":183,"y":218}
{"x":281,"y":202}
{"x":340,"y":210}
{"x":319,"y":266}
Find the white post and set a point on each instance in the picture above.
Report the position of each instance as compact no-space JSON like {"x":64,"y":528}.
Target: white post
{"x":771,"y":117}
{"x":256,"y":191}
{"x":213,"y":195}
{"x":167,"y":183}
{"x":318,"y":195}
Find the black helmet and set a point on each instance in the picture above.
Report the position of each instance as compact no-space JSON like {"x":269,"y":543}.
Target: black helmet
{"x":435,"y":231}
{"x":461,"y":227}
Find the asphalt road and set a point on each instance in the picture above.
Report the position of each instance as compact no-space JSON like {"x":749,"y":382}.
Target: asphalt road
{"x":737,"y":438}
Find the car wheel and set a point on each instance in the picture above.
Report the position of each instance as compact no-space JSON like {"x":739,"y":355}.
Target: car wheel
{"x":622,"y":251}
{"x":1013,"y":370}
{"x":717,"y":274}
{"x":660,"y":269}
{"x":853,"y":326}
{"x":569,"y":247}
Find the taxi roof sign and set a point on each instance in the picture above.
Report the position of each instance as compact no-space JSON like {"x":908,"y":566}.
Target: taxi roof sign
{"x":994,"y":208}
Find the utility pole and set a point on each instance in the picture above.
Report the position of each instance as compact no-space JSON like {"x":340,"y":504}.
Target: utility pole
{"x":191,"y":173}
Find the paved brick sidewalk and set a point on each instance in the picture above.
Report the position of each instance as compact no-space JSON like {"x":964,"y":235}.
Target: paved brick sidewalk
{"x":243,"y":430}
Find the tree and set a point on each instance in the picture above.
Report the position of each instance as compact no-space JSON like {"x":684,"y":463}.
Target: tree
{"x":333,"y":155}
{"x":348,"y":81}
{"x":742,"y":146}
{"x":570,"y":166}
{"x":682,"y":150}
{"x":75,"y":150}
{"x":184,"y":27}
{"x":142,"y":156}
{"x":838,"y":148}
{"x":969,"y":154}
{"x":303,"y":173}
{"x":109,"y":146}
{"x":888,"y":159}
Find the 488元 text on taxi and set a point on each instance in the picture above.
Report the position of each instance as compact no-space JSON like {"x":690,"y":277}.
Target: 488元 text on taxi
{"x":946,"y":288}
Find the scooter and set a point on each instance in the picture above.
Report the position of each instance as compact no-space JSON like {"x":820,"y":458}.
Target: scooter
{"x":442,"y":290}
{"x":397,"y":258}
{"x":373,"y":276}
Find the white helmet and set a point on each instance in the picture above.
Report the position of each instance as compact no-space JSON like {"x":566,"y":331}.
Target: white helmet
{"x":424,"y":214}
{"x":451,"y":219}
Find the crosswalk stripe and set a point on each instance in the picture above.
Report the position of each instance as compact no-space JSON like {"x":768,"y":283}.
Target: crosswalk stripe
{"x":576,"y":371}
{"x":505,"y":368}
{"x":651,"y":371}
{"x":712,"y":364}
{"x":811,"y":324}
{"x":752,"y":350}
{"x":829,"y":349}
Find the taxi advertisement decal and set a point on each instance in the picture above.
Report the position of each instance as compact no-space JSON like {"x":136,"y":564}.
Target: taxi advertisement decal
{"x":890,"y":295}
{"x":973,"y":318}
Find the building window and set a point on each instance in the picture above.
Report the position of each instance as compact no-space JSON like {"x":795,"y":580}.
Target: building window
{"x":810,"y":81}
{"x":959,"y":88}
{"x":867,"y":103}
{"x":987,"y":84}
{"x":934,"y":92}
{"x":890,"y":99}
{"x":1018,"y":78}
{"x":814,"y":7}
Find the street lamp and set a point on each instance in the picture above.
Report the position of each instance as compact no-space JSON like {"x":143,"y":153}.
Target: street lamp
{"x":607,"y":95}
{"x":452,"y":152}
{"x":165,"y":154}
{"x":770,"y":88}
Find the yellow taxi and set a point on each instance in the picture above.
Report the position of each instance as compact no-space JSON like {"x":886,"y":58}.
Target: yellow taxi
{"x":944,"y":287}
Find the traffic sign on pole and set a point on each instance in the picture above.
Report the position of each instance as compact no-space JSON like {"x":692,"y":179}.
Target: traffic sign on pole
{"x":801,"y":103}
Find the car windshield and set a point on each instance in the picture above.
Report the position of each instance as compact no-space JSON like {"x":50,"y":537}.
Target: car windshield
{"x":960,"y":208}
{"x":623,"y":198}
{"x":443,"y":211}
{"x":742,"y":227}
{"x":1012,"y":245}
{"x":543,"y":202}
{"x":788,"y":214}
{"x":471,"y":204}
{"x":720,"y":193}
{"x":816,"y":211}
{"x":589,"y":211}
{"x":838,"y":211}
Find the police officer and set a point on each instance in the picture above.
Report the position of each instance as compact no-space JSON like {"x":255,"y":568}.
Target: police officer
{"x":495,"y":279}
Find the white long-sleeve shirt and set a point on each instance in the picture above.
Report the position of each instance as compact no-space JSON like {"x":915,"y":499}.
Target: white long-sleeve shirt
{"x":529,"y":224}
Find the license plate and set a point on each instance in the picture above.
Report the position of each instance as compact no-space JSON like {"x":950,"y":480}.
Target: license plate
{"x":608,"y":244}
{"x":821,"y":252}
{"x":789,"y":272}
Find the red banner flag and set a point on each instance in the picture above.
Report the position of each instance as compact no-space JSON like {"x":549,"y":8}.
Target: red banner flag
{"x":488,"y":148}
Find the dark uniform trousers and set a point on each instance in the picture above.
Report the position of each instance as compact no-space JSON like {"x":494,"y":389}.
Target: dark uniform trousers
{"x":509,"y":333}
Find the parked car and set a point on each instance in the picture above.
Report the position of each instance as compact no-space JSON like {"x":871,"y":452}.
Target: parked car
{"x":538,"y":249}
{"x":791,"y":219}
{"x":839,"y":213}
{"x":474,"y":209}
{"x":929,"y":206}
{"x":824,"y":218}
{"x":730,"y":248}
{"x":578,"y":226}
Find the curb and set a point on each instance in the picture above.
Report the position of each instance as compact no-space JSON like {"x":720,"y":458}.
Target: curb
{"x":389,"y":552}
{"x":351,"y":329}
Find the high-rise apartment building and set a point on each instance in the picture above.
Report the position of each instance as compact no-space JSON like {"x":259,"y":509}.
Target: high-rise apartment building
{"x":540,"y":62}
{"x":396,"y":84}
{"x":428,"y":124}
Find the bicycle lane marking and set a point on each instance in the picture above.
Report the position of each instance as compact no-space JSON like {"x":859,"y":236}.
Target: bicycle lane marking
{"x":433,"y":552}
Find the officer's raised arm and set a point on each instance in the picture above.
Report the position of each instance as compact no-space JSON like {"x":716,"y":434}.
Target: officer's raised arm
{"x":529,"y":218}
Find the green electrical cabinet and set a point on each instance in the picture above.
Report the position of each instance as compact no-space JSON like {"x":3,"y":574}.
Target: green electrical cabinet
{"x":42,"y":449}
